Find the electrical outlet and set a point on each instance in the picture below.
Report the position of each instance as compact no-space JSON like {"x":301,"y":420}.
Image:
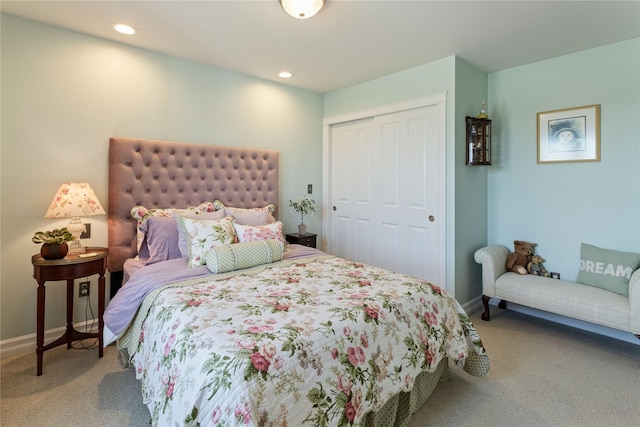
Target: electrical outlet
{"x":85,"y":287}
{"x":310,"y":188}
{"x":86,"y":234}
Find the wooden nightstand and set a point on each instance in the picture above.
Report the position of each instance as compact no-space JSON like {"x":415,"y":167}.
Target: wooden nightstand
{"x":69,"y":269}
{"x":308,"y":239}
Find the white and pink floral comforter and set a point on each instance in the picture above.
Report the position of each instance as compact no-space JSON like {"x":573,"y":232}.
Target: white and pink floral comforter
{"x":319,"y":341}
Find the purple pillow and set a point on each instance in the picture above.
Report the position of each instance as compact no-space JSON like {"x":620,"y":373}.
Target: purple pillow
{"x":160,"y":241}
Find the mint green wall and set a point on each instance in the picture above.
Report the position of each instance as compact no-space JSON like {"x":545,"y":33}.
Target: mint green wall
{"x":561,"y":205}
{"x":470,"y":194}
{"x":466,"y":88}
{"x":64,"y":94}
{"x":416,"y":82}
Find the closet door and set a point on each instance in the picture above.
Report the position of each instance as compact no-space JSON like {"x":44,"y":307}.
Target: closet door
{"x":387,"y":190}
{"x":355,"y":166}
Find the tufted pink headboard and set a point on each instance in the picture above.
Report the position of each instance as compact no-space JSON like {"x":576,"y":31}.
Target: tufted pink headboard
{"x":164,"y":174}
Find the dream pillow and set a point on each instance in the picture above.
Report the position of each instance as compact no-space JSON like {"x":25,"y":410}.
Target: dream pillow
{"x":607,"y":269}
{"x":238,"y":256}
{"x":204,"y":234}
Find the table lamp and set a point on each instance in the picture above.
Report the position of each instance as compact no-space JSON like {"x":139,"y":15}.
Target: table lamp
{"x":74,"y":200}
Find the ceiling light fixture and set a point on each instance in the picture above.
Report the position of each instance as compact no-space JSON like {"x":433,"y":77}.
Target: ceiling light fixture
{"x":285,"y":74}
{"x":124,"y":29}
{"x":302,"y":9}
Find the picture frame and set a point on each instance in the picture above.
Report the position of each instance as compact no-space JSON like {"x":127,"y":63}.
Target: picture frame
{"x":569,"y":135}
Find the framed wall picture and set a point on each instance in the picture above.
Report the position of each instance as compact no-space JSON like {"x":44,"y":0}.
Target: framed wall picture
{"x":569,"y":135}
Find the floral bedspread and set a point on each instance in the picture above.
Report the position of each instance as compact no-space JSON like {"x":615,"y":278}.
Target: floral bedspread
{"x":318,"y":342}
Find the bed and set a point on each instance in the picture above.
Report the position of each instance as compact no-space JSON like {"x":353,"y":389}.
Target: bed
{"x":245,"y":329}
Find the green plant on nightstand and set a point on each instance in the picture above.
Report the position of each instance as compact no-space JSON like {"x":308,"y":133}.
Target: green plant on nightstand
{"x":54,"y":242}
{"x":304,"y":207}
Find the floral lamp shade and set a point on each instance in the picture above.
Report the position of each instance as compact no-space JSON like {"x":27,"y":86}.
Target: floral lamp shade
{"x":74,"y":200}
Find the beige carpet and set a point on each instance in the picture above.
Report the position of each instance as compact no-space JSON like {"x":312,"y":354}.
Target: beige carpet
{"x":542,"y":374}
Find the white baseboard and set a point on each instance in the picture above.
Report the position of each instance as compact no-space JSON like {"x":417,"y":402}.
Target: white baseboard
{"x":473,"y":305}
{"x":567,"y":321}
{"x":27,"y":343}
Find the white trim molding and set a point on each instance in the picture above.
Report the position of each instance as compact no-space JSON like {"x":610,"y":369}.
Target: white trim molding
{"x":27,"y":343}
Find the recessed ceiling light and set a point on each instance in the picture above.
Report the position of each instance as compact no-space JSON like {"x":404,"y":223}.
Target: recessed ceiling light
{"x":124,"y":29}
{"x":285,"y":74}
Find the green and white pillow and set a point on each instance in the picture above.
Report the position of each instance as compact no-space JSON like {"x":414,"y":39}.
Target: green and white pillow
{"x":204,"y":234}
{"x":238,"y":256}
{"x":606,"y":268}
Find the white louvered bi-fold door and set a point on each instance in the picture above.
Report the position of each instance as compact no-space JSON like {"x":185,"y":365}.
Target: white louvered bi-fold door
{"x":387,"y":189}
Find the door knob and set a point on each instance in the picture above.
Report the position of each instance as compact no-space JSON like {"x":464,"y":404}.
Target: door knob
{"x":432,"y":218}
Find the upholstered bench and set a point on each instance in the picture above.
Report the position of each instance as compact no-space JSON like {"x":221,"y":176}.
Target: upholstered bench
{"x":563,"y":297}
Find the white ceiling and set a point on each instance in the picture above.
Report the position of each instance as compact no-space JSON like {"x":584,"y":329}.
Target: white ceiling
{"x":348,"y":42}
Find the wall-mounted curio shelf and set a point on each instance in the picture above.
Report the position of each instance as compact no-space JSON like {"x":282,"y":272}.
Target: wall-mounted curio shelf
{"x":478,"y":141}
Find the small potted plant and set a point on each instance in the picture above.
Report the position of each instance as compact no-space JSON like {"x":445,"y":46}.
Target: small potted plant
{"x":54,"y":242}
{"x":304,"y":207}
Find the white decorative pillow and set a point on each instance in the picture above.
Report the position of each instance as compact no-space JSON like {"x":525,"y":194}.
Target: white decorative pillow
{"x":250,"y":233}
{"x":204,"y":234}
{"x":238,"y":256}
{"x":249,"y":216}
{"x":141,"y":214}
{"x":182,"y":239}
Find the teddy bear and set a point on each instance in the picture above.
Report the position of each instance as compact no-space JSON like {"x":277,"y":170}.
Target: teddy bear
{"x":536,"y":268}
{"x":518,"y":260}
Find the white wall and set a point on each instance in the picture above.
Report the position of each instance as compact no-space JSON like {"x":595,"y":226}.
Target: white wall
{"x":561,"y":205}
{"x":64,"y":94}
